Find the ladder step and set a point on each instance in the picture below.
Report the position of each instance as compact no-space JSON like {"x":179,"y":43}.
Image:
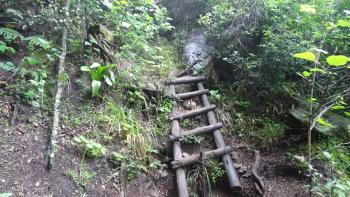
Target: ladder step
{"x":193,"y":113}
{"x":198,"y":131}
{"x":204,"y":155}
{"x":186,"y":80}
{"x":192,"y":94}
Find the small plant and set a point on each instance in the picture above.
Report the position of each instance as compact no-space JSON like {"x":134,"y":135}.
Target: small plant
{"x":92,"y":149}
{"x":193,"y":139}
{"x":215,"y":170}
{"x":214,"y":95}
{"x":98,"y":73}
{"x":270,"y":133}
{"x":186,"y":123}
{"x":81,"y":178}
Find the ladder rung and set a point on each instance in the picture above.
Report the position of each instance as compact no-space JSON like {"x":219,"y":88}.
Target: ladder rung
{"x":197,"y":131}
{"x":193,"y":112}
{"x":204,"y":155}
{"x":192,"y":94}
{"x":185,"y":80}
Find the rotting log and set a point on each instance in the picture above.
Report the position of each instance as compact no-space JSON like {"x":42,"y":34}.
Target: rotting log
{"x":193,"y":112}
{"x":184,"y":162}
{"x":219,"y":141}
{"x":185,"y":80}
{"x":177,"y":153}
{"x":197,"y":131}
{"x":187,"y":95}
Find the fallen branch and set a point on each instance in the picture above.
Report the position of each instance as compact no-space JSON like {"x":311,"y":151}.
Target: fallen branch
{"x":186,"y":71}
{"x":14,"y":115}
{"x":259,"y":184}
{"x":60,"y":85}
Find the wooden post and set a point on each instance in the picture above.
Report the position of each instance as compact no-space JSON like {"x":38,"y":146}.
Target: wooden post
{"x":177,"y":153}
{"x":192,"y":94}
{"x":193,"y":113}
{"x":226,"y":159}
{"x":197,"y":131}
{"x":185,"y":80}
{"x":196,"y":158}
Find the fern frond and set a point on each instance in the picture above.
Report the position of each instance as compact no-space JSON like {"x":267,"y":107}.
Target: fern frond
{"x":10,"y":34}
{"x":38,"y":41}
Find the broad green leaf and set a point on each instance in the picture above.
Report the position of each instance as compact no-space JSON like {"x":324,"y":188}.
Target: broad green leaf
{"x":323,"y":122}
{"x":108,"y":80}
{"x":85,"y":68}
{"x":338,"y":107}
{"x":5,"y":194}
{"x":306,"y":55}
{"x":38,"y":41}
{"x":112,"y":76}
{"x":95,"y":65}
{"x":347,"y":114}
{"x":32,"y":61}
{"x":307,"y":74}
{"x":7,"y":66}
{"x":317,"y":70}
{"x":2,"y":48}
{"x":343,"y":23}
{"x":337,"y":60}
{"x":307,"y":8}
{"x":96,"y":85}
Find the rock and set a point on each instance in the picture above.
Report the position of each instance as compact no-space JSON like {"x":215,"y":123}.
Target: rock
{"x":301,"y":113}
{"x":189,"y":105}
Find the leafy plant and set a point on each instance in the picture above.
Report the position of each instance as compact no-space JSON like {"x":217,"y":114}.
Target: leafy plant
{"x":98,"y":73}
{"x":92,"y":148}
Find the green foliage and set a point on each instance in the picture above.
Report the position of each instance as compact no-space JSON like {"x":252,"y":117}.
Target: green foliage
{"x":269,"y":134}
{"x":10,"y":34}
{"x":93,"y":149}
{"x":6,"y":194}
{"x":7,"y":66}
{"x":81,"y":178}
{"x":98,"y":73}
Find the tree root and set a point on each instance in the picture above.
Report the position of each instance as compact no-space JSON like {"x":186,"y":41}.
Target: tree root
{"x":259,"y":184}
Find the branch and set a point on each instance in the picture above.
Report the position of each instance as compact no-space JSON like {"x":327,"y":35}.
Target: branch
{"x":52,"y":147}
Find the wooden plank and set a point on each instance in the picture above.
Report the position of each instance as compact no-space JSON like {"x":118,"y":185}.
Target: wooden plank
{"x":185,"y":80}
{"x":184,"y":162}
{"x":219,"y":141}
{"x":187,"y":95}
{"x":197,"y":131}
{"x":193,"y":112}
{"x":177,"y":152}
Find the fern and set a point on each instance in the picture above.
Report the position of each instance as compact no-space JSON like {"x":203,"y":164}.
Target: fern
{"x":15,"y":14}
{"x":38,"y":41}
{"x":10,"y":34}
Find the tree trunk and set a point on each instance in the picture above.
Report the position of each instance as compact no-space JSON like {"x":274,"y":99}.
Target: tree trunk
{"x":53,"y":141}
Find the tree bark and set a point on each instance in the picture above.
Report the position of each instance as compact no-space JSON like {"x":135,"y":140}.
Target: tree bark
{"x":53,"y":141}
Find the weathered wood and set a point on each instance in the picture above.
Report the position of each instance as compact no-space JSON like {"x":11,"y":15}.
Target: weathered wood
{"x":219,"y":141}
{"x":193,"y":113}
{"x":198,"y":131}
{"x":177,"y":153}
{"x":258,"y":179}
{"x":183,"y":162}
{"x":185,"y":80}
{"x":302,"y":114}
{"x":192,"y":94}
{"x":53,"y":141}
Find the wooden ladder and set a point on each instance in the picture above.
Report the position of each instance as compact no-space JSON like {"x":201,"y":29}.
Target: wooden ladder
{"x":179,"y":162}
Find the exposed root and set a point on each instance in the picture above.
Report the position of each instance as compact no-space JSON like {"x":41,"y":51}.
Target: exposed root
{"x":259,"y":184}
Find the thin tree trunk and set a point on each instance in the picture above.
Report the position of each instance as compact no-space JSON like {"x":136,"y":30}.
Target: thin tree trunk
{"x":60,"y":86}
